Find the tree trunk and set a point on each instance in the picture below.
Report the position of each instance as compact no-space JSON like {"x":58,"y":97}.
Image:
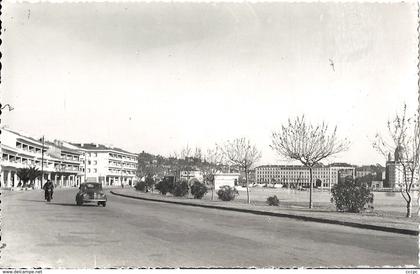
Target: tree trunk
{"x":408,"y":215}
{"x":310,"y":187}
{"x":247,"y":187}
{"x":408,"y":200}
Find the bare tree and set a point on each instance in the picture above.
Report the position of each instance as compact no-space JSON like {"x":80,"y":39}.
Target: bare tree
{"x":404,"y":133}
{"x":309,"y":144}
{"x":198,"y":154}
{"x":185,"y":152}
{"x":242,"y":153}
{"x":213,"y":161}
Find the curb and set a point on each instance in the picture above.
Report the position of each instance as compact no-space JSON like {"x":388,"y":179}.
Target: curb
{"x":284,"y":215}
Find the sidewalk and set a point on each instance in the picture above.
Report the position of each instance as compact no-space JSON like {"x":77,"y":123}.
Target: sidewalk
{"x":380,"y":223}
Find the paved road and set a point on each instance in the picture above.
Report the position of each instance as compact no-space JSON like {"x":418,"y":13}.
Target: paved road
{"x":138,"y":233}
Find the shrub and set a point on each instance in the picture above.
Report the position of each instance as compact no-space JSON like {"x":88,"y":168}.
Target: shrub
{"x":140,"y":186}
{"x":164,"y":186}
{"x":273,"y":201}
{"x":180,"y":188}
{"x":198,"y":190}
{"x":149,"y":182}
{"x":351,"y":195}
{"x":227,"y":193}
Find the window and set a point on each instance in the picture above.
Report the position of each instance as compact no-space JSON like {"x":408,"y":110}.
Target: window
{"x":89,"y":162}
{"x":95,"y":170}
{"x":88,"y":170}
{"x":95,"y":162}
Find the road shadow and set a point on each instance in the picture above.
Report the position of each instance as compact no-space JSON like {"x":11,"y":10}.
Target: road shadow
{"x":28,"y":200}
{"x":64,"y":204}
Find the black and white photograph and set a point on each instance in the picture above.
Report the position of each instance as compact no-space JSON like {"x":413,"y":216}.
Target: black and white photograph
{"x":206,"y":135}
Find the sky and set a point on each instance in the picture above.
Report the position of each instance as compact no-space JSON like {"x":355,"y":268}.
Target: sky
{"x":160,"y":76}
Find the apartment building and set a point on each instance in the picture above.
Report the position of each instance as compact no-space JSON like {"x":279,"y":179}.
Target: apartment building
{"x":298,"y":176}
{"x":60,"y":164}
{"x":108,"y":165}
{"x":395,"y":171}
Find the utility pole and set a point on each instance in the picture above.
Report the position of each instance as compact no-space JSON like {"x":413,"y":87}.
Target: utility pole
{"x":42,"y":162}
{"x":85,"y":166}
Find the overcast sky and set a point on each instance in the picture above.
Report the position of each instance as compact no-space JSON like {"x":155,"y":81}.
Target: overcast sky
{"x":159,"y":76}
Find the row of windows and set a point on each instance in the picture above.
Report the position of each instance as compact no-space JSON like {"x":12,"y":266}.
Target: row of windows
{"x":28,"y":147}
{"x":47,"y":164}
{"x":94,"y":162}
{"x":122,"y":164}
{"x":70,"y":157}
{"x":123,"y":157}
{"x":301,"y":174}
{"x":119,"y":171}
{"x":301,"y":169}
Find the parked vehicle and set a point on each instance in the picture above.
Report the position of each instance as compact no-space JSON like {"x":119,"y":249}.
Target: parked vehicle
{"x":91,"y":193}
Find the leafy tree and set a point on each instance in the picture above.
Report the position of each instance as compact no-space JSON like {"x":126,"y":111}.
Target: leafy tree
{"x":140,"y":186}
{"x":227,"y":193}
{"x":164,"y":186}
{"x":180,"y":188}
{"x":273,"y":201}
{"x":149,"y":182}
{"x":34,"y":173}
{"x":307,"y":143}
{"x":242,"y":153}
{"x":367,"y":179}
{"x":198,"y":190}
{"x":404,"y":140}
{"x":23,"y":174}
{"x":351,"y":195}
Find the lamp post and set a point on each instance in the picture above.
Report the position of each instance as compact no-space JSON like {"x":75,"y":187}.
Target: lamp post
{"x":7,"y":105}
{"x":10,"y":109}
{"x":85,"y":166}
{"x":42,"y":162}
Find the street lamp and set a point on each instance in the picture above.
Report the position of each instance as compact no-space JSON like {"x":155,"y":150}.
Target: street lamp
{"x":6,"y":105}
{"x":42,"y":161}
{"x":10,"y":109}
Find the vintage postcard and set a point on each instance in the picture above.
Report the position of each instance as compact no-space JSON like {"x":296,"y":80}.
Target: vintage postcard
{"x":262,"y":134}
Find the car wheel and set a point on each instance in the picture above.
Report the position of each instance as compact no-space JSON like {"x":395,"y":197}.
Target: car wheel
{"x":104,"y":204}
{"x":79,"y":203}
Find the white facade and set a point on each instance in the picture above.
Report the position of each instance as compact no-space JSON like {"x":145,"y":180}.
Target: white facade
{"x":395,"y":175}
{"x":65,"y":164}
{"x":222,"y":179}
{"x":109,"y":166}
{"x":61,"y":165}
{"x":325,"y":176}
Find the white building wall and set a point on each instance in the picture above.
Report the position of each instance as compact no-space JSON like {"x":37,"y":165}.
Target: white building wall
{"x":225,"y":179}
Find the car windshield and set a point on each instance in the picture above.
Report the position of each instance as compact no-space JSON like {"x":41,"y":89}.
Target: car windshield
{"x":91,"y":186}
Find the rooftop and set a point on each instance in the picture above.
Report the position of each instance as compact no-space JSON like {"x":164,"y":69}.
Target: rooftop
{"x":94,"y":146}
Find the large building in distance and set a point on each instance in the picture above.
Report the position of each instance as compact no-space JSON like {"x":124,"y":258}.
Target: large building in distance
{"x":64,"y":163}
{"x":109,"y":165}
{"x":395,"y":171}
{"x":298,"y":176}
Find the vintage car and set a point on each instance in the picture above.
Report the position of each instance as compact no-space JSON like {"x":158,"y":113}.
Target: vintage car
{"x":91,"y":193}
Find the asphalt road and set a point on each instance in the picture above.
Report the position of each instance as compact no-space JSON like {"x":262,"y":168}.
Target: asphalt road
{"x":134,"y":233}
